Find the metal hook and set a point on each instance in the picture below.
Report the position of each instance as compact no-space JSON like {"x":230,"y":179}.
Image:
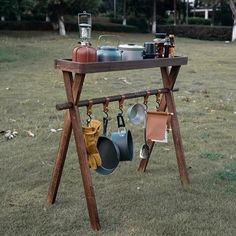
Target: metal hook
{"x":146,"y":100}
{"x":105,"y":107}
{"x":89,"y":112}
{"x":158,"y":99}
{"x":121,"y":104}
{"x":89,"y":119}
{"x":106,"y":114}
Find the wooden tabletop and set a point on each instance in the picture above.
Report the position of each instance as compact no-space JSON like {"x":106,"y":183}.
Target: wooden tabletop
{"x":94,"y":67}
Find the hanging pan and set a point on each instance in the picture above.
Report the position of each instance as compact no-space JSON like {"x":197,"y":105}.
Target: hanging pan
{"x":109,"y":152}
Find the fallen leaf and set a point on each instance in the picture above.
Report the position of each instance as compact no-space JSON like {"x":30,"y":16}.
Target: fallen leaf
{"x":53,"y":130}
{"x":127,"y":82}
{"x":30,"y":133}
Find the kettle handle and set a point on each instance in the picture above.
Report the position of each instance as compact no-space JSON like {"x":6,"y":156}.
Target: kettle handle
{"x":107,"y":38}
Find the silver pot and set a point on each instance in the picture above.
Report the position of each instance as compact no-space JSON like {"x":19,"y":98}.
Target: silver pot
{"x":131,"y":52}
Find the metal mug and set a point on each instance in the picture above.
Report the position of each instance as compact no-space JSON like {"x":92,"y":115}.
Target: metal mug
{"x":136,"y":113}
{"x":123,"y":139}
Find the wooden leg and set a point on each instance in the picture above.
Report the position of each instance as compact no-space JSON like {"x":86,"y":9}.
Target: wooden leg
{"x":60,"y":159}
{"x":169,"y":79}
{"x":63,"y":145}
{"x":175,"y":126}
{"x":82,"y":153}
{"x":177,"y":139}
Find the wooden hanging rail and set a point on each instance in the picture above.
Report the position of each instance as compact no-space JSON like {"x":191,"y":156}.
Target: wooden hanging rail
{"x":82,"y":103}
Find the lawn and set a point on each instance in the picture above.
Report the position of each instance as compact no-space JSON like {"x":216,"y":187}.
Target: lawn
{"x":129,"y":202}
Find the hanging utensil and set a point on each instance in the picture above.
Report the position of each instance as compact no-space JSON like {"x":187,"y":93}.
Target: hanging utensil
{"x":145,"y":149}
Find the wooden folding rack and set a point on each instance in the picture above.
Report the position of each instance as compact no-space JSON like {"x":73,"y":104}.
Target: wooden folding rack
{"x":74,"y":76}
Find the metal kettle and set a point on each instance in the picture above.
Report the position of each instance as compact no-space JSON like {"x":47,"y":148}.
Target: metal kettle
{"x":108,"y":52}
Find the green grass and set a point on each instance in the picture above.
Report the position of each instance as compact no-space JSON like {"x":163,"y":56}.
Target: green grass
{"x":129,"y":202}
{"x":228,"y":172}
{"x":211,"y":155}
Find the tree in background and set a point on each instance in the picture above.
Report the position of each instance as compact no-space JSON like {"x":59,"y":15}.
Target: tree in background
{"x":15,"y":8}
{"x":4,"y":9}
{"x":233,"y":9}
{"x":56,"y":9}
{"x":154,"y":18}
{"x":124,"y":12}
{"x":232,"y":6}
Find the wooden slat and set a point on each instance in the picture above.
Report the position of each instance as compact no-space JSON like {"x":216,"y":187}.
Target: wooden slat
{"x":68,"y":65}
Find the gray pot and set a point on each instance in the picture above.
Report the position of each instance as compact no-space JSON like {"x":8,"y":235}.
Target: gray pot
{"x":131,"y":52}
{"x":108,"y":151}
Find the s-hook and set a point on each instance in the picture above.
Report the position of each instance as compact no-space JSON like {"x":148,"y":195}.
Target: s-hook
{"x":158,"y":100}
{"x":145,"y":101}
{"x":89,"y":112}
{"x":121,"y":104}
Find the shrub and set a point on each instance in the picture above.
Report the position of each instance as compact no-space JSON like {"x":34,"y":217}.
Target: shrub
{"x":198,"y":21}
{"x":140,"y":23}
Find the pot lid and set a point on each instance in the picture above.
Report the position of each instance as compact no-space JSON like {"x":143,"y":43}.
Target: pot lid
{"x":131,"y":46}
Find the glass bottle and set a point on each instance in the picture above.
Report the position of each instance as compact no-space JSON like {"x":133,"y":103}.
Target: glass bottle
{"x":172,"y":45}
{"x":166,"y":47}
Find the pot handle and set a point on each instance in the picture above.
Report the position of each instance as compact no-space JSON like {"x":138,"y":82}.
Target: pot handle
{"x":105,"y":124}
{"x":121,"y":123}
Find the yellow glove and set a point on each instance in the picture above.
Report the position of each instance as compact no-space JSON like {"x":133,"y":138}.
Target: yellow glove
{"x":91,"y":134}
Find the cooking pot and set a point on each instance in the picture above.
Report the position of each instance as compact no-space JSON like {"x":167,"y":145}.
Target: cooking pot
{"x":131,"y":52}
{"x":108,"y":151}
{"x":123,"y":139}
{"x":108,"y":52}
{"x":149,"y":50}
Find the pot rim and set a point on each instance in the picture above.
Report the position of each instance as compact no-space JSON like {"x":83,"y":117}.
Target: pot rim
{"x":131,"y":47}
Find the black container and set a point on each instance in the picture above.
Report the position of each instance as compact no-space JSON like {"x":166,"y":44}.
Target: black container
{"x":149,"y":50}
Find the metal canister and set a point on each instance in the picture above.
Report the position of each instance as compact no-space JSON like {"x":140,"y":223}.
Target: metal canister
{"x":166,"y":47}
{"x":84,"y":53}
{"x":159,"y":44}
{"x":149,"y":50}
